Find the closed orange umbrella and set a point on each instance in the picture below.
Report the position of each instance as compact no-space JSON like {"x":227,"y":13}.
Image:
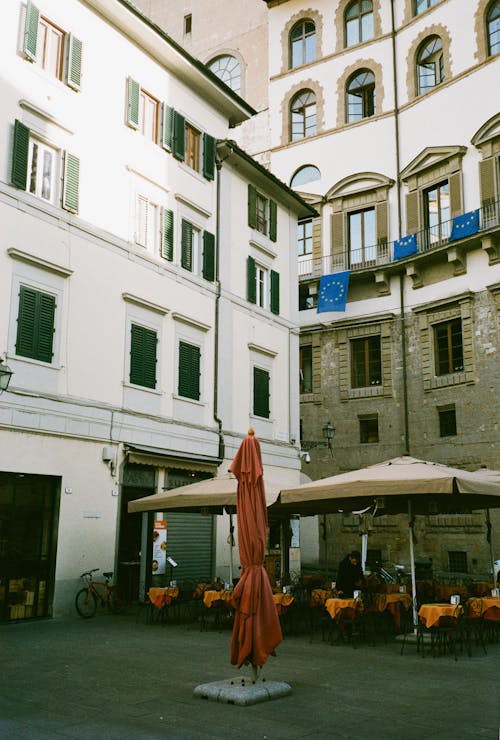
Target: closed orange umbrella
{"x":256,"y":631}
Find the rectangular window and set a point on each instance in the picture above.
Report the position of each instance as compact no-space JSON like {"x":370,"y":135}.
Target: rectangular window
{"x":437,"y":212}
{"x":457,"y":561}
{"x":189,"y":371}
{"x":448,"y":347}
{"x":368,"y":429}
{"x":43,"y":168}
{"x":148,"y":116}
{"x":50,"y":43}
{"x":261,"y":392}
{"x":373,"y":558}
{"x":53,"y":50}
{"x":146,"y":224}
{"x":143,"y":343}
{"x":305,"y":360}
{"x":261,"y":213}
{"x":447,"y":421}
{"x":35,"y":324}
{"x":193,"y":148}
{"x":362,"y":237}
{"x":366,"y":362}
{"x":188,"y":24}
{"x":306,"y":300}
{"x":304,"y":238}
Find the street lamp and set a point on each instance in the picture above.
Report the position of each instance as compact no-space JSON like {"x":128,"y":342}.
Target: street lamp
{"x":5,"y":375}
{"x":328,"y":433}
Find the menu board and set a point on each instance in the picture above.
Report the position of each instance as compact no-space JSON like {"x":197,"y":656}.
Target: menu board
{"x":159,"y":547}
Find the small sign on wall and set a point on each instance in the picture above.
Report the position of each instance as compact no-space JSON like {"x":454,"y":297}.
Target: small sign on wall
{"x":159,"y":547}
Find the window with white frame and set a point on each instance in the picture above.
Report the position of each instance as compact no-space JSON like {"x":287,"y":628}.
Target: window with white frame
{"x":263,"y":286}
{"x":147,"y":228}
{"x":43,"y":170}
{"x":148,"y":116}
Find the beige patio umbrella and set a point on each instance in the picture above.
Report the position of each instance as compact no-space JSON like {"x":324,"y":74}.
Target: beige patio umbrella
{"x":403,"y":484}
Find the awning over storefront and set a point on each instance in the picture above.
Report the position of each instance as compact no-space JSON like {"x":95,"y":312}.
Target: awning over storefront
{"x":164,"y":458}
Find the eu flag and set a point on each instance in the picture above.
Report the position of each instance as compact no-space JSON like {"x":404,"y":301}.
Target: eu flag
{"x":465,"y":225}
{"x":405,"y":246}
{"x":332,"y":294}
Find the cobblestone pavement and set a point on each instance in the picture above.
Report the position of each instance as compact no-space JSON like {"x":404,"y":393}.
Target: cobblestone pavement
{"x":116,"y":677}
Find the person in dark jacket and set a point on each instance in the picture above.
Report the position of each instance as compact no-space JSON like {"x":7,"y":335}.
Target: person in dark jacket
{"x":350,"y":575}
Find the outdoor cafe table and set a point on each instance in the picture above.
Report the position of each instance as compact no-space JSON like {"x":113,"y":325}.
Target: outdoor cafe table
{"x":283,"y":601}
{"x":430,"y":614}
{"x":161,"y":597}
{"x":209,"y":597}
{"x":334,"y":606}
{"x":390,"y":601}
{"x":487,"y":607}
{"x":320,"y":595}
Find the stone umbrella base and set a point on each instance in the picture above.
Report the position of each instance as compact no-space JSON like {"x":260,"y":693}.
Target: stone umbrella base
{"x":243,"y":691}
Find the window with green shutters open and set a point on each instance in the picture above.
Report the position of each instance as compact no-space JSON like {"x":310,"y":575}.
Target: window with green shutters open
{"x":143,"y":345}
{"x":197,"y":250}
{"x":263,"y":286}
{"x":36,"y":168}
{"x":55,"y":51}
{"x":262,"y":213}
{"x":189,"y":371}
{"x":260,"y":392}
{"x":35,"y":324}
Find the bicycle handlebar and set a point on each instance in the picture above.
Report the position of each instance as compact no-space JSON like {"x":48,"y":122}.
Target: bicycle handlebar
{"x":89,"y":572}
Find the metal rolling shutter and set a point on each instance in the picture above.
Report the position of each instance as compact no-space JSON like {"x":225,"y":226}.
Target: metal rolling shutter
{"x":190,"y":542}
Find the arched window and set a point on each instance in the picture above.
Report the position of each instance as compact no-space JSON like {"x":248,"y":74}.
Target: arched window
{"x":493,"y":28}
{"x":422,"y":5}
{"x":360,"y":95}
{"x":358,"y":22}
{"x":228,"y":69}
{"x":305,"y":174}
{"x":430,"y":65}
{"x":302,"y":43}
{"x":303,"y":115}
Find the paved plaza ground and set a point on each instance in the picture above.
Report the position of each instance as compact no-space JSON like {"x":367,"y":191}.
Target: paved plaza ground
{"x":115,"y":677}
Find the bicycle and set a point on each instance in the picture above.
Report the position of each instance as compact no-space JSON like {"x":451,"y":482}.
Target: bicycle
{"x":87,"y":598}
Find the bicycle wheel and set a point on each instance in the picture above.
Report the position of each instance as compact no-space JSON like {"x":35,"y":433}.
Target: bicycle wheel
{"x":115,"y":601}
{"x":85,"y":603}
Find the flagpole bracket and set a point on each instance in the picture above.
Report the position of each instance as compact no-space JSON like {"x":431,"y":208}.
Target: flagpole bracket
{"x":456,"y":256}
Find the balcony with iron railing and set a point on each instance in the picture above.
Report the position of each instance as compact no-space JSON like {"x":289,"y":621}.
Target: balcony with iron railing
{"x":382,"y":254}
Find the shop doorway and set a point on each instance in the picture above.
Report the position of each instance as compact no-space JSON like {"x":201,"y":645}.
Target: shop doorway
{"x":29,"y":515}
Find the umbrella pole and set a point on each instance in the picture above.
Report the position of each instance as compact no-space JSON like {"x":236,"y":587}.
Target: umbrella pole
{"x":412,"y":568}
{"x":231,"y":530}
{"x":490,"y":542}
{"x":364,"y":550}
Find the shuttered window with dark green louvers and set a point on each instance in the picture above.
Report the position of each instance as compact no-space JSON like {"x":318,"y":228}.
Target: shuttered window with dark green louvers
{"x":252,"y":207}
{"x":35,"y":324}
{"x":251,"y":280}
{"x":261,"y":392}
{"x":143,"y":356}
{"x":186,"y":245}
{"x":208,"y":256}
{"x":275,"y":292}
{"x":273,"y":221}
{"x":208,"y":156}
{"x":167,"y":129}
{"x":189,"y":371}
{"x":167,"y":235}
{"x":133,"y":93}
{"x":19,"y":174}
{"x":31,"y":30}
{"x":71,"y":183}
{"x":179,"y":134}
{"x":74,"y":62}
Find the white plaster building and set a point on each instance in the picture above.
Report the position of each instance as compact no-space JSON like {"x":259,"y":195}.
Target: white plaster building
{"x":148,"y":298}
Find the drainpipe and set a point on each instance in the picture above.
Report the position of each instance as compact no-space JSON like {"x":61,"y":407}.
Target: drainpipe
{"x":402,"y":274}
{"x":218,"y":165}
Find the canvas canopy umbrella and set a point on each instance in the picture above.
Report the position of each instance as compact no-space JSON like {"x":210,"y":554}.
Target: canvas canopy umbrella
{"x":403,"y":484}
{"x":256,"y":630}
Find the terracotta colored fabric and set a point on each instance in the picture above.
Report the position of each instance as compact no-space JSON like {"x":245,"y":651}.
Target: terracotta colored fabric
{"x":210,"y":596}
{"x":430,"y":613}
{"x":256,"y":630}
{"x":161,"y":597}
{"x":334,"y":607}
{"x":320,"y":595}
{"x":487,"y":607}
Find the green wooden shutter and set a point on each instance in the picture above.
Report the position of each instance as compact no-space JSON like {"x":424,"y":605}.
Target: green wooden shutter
{"x":189,"y":371}
{"x":208,"y":156}
{"x":252,"y":206}
{"x":261,"y":392}
{"x":179,"y":134}
{"x":186,"y":245}
{"x":71,"y":182}
{"x":167,"y":129}
{"x":19,"y":175}
{"x":273,"y":221}
{"x":251,"y":280}
{"x":31,"y":30}
{"x":167,"y":235}
{"x":133,"y":93}
{"x":208,"y":256}
{"x":74,"y":62}
{"x":35,"y":324}
{"x":143,"y":356}
{"x":275,"y":292}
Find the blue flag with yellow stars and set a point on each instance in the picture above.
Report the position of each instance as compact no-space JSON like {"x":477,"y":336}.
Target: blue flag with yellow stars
{"x":465,"y":225}
{"x":405,"y":246}
{"x":332,"y":294}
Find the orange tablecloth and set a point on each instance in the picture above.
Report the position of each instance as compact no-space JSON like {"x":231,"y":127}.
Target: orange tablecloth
{"x":390,"y":601}
{"x":487,"y":607}
{"x":210,"y":596}
{"x":283,"y":601}
{"x":161,"y":597}
{"x":335,"y":606}
{"x":320,"y":595}
{"x":430,"y":613}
